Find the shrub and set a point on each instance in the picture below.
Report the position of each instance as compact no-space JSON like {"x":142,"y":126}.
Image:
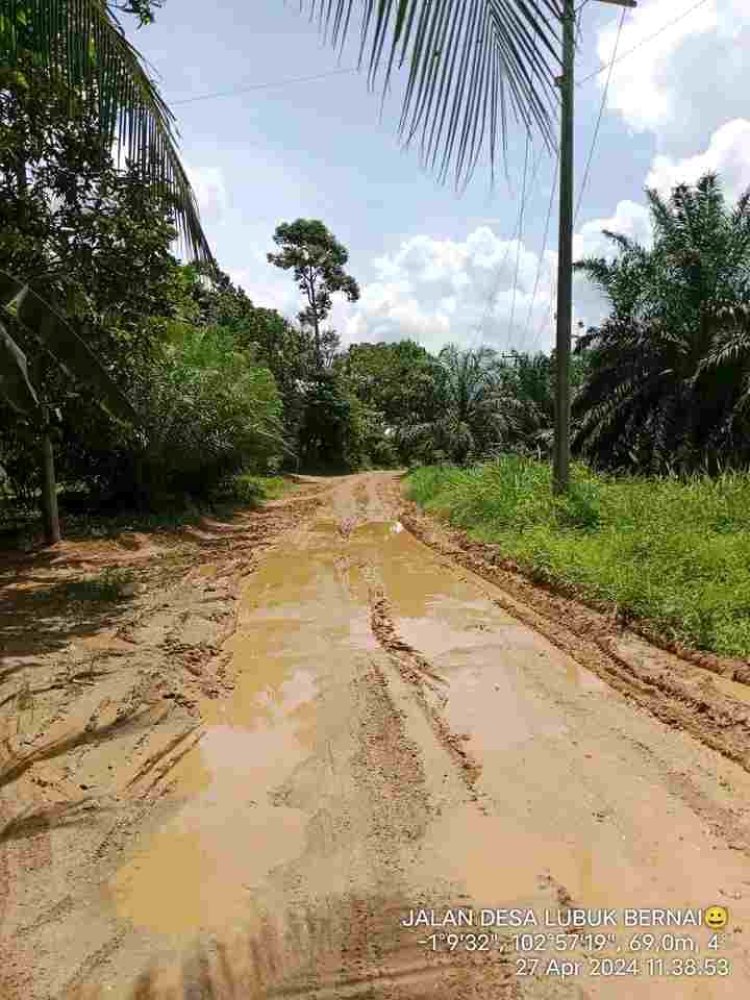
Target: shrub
{"x":211,"y":413}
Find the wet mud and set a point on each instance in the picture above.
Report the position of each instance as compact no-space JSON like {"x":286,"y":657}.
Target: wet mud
{"x":386,"y":729}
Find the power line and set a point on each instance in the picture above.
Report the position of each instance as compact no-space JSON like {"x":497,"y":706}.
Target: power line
{"x":263,"y":86}
{"x":491,"y":298}
{"x":339,"y":72}
{"x":543,"y":251}
{"x":643,"y":41}
{"x":602,"y":104}
{"x":520,"y":237}
{"x":609,"y":66}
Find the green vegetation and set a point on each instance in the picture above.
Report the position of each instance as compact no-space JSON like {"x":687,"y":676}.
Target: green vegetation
{"x":112,"y":584}
{"x":668,"y":384}
{"x":673,"y":552}
{"x":81,"y":49}
{"x":179,"y":394}
{"x":248,"y":490}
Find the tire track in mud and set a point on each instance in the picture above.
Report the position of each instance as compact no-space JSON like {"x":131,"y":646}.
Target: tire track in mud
{"x":424,"y":682}
{"x":334,"y":951}
{"x":717,"y":720}
{"x":158,"y":765}
{"x":350,"y":946}
{"x":90,"y":734}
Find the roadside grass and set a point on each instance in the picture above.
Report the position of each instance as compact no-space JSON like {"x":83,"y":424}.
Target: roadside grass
{"x":673,"y":553}
{"x":255,"y":490}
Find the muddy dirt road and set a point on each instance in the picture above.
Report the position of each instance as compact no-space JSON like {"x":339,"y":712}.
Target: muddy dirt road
{"x":386,"y":737}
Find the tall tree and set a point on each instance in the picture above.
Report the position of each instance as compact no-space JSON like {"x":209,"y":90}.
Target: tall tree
{"x":668,"y":383}
{"x":399,"y":381}
{"x":316,"y":257}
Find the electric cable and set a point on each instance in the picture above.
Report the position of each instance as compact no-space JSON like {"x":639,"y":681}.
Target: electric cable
{"x":262,"y":86}
{"x":602,"y":105}
{"x":643,"y":41}
{"x":520,"y":238}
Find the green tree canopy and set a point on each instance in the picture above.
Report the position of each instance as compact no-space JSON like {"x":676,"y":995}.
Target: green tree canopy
{"x":478,"y":414}
{"x":399,"y":381}
{"x":81,"y":48}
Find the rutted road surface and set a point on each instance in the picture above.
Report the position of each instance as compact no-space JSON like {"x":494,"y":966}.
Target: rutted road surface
{"x":394,"y":738}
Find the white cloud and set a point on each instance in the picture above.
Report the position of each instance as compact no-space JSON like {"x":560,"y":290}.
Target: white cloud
{"x":630,"y":218}
{"x":682,"y":84}
{"x":728,"y":154}
{"x":440,"y":290}
{"x":436,"y":291}
{"x":210,"y":191}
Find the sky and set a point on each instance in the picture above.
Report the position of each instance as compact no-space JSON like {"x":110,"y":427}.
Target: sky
{"x":275,"y":125}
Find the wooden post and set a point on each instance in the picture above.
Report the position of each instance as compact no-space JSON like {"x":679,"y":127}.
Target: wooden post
{"x":49,"y":486}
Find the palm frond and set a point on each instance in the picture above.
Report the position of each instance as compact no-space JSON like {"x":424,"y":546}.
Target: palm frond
{"x":469,"y":64}
{"x":81,"y":45}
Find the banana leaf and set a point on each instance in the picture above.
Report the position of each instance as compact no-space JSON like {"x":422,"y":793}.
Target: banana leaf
{"x":14,"y":379}
{"x":71,"y":353}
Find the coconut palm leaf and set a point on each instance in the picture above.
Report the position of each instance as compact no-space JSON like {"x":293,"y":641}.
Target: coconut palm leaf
{"x":81,"y":44}
{"x":469,"y":64}
{"x":63,"y":343}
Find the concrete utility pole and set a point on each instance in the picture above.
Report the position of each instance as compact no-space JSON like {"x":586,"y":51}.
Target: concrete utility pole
{"x":561,"y":468}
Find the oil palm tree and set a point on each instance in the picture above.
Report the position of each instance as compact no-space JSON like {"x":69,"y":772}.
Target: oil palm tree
{"x":668,"y":384}
{"x":479,"y":413}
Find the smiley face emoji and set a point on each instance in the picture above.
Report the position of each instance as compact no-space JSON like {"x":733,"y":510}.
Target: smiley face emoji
{"x":716,"y":917}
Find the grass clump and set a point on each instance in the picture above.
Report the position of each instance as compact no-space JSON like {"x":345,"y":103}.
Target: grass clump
{"x":112,"y":584}
{"x":673,"y":552}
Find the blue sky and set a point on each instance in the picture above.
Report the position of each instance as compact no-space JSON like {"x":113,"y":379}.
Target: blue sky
{"x":431,"y":264}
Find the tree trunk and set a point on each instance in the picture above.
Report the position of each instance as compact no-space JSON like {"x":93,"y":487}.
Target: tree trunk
{"x":49,"y":487}
{"x":318,"y":356}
